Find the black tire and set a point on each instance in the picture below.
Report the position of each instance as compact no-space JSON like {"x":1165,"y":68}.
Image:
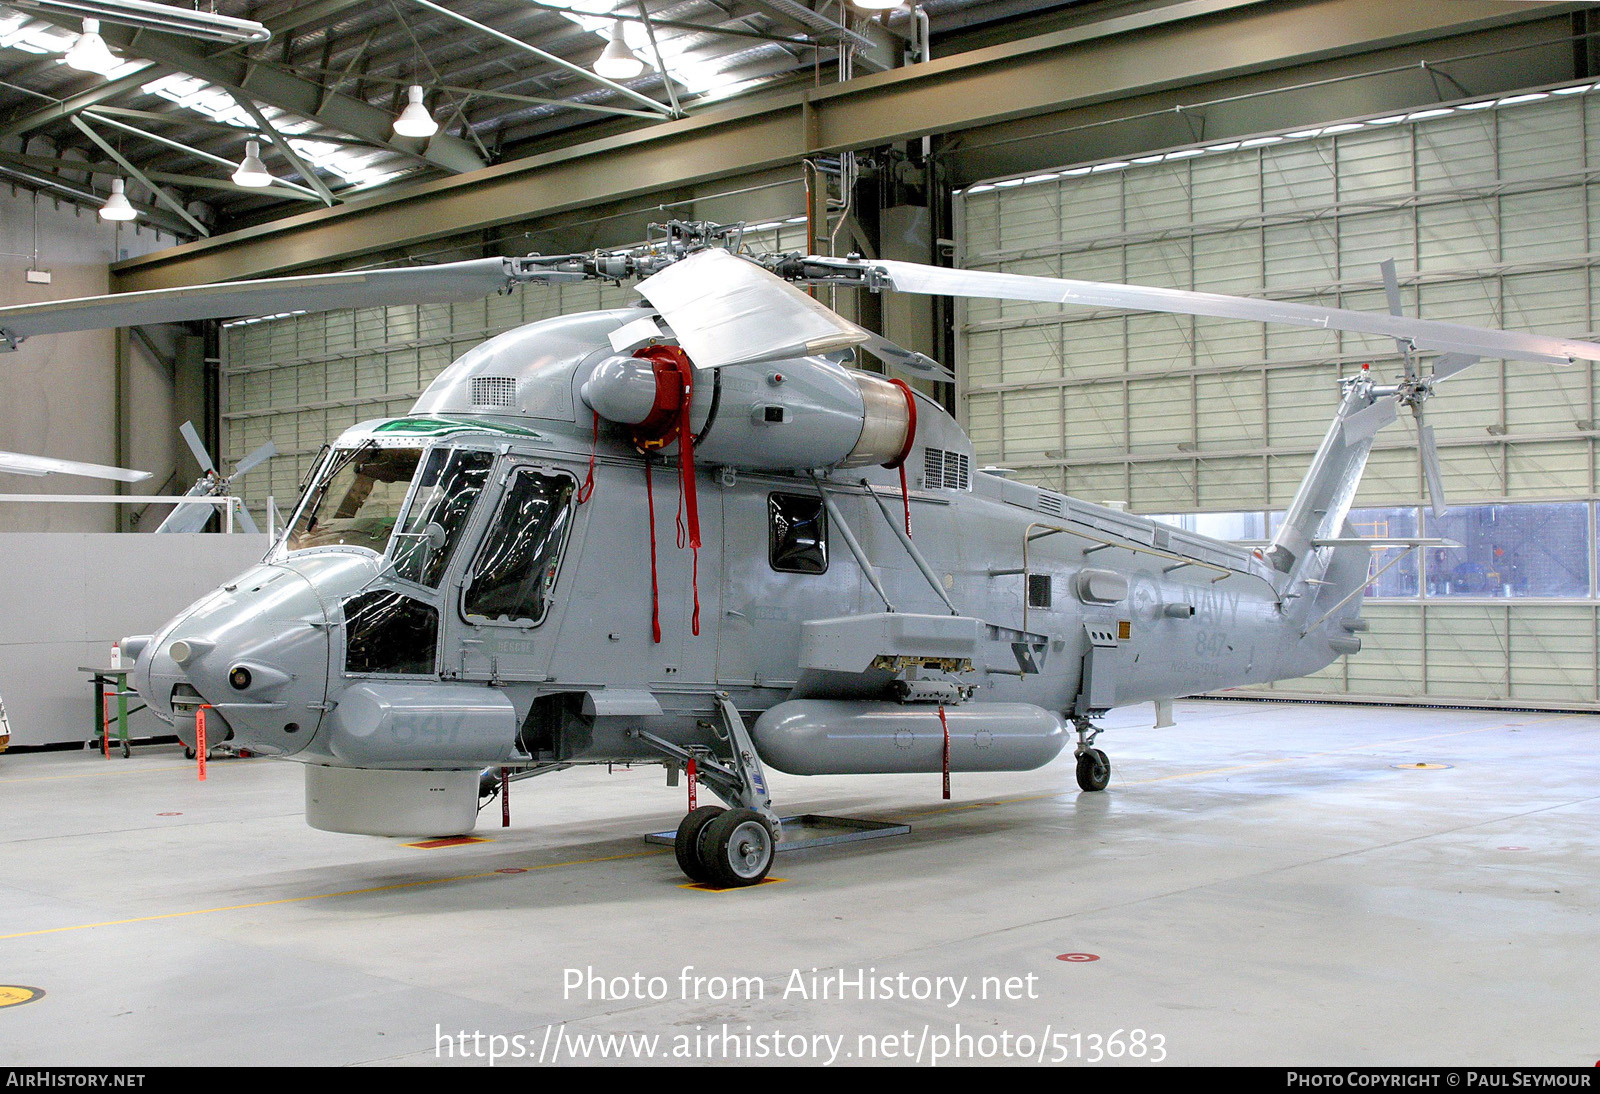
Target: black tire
{"x":689,"y":845}
{"x":739,"y":847}
{"x":188,"y":753}
{"x":1094,"y":770}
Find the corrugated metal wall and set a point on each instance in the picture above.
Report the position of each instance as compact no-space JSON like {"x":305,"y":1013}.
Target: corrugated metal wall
{"x":1486,"y":208}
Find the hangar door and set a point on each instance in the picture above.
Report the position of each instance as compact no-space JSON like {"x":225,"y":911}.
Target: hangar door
{"x":1491,"y":211}
{"x":299,"y":380}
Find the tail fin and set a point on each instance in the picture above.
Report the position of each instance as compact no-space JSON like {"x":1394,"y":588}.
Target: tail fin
{"x":1323,"y":500}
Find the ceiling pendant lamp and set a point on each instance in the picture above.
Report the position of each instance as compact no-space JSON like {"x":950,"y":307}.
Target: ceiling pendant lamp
{"x":117,"y":206}
{"x":252,"y":172}
{"x":617,"y":61}
{"x":90,"y":52}
{"x":414,"y":120}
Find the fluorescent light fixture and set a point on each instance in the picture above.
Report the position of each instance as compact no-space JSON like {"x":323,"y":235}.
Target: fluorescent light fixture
{"x":1114,"y":165}
{"x":617,"y":61}
{"x":1513,"y":100}
{"x":163,"y":17}
{"x":877,"y":5}
{"x":981,"y":188}
{"x":1580,"y":89}
{"x":1342,"y":127}
{"x":1436,"y":112}
{"x":1392,"y":119}
{"x":117,"y":206}
{"x":1183,"y":154}
{"x":90,"y":52}
{"x":1301,"y":134}
{"x":1009,"y":183}
{"x":414,"y":120}
{"x":1476,"y":106}
{"x":252,"y":172}
{"x":1047,"y":177}
{"x":1257,"y":142}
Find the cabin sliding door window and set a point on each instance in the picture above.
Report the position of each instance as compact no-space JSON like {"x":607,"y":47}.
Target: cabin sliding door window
{"x":521,"y":554}
{"x":447,"y":488}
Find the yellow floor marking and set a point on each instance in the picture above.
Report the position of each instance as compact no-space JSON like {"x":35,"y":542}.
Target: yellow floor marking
{"x":707,"y":887}
{"x":14,"y":995}
{"x":447,"y":841}
{"x":325,"y":896}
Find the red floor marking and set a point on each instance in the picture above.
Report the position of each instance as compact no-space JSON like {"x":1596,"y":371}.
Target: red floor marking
{"x":512,"y":870}
{"x":169,"y":814}
{"x":448,"y":841}
{"x":1075,"y":957}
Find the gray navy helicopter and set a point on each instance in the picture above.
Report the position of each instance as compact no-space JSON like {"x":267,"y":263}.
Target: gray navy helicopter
{"x":689,"y":532}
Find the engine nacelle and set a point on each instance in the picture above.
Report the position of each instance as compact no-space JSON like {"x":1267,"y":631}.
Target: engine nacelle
{"x":809,"y":413}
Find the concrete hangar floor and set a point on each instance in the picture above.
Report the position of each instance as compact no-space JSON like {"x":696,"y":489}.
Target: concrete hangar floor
{"x":1264,"y":883}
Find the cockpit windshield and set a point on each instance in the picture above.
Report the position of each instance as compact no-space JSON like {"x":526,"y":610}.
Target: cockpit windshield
{"x":356,"y":499}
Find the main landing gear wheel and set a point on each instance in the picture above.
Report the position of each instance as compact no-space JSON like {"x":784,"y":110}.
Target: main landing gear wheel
{"x":737,"y":848}
{"x":690,"y":843}
{"x":1094,"y":769}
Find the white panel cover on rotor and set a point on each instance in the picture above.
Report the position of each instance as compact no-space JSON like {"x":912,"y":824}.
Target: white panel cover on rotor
{"x":727,"y":311}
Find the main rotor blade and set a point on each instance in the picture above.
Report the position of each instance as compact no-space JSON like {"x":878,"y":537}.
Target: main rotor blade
{"x":910,"y":362}
{"x":1391,"y":292}
{"x":242,"y":517}
{"x":19,"y":464}
{"x":201,"y":456}
{"x":448,"y":282}
{"x":727,"y":311}
{"x":1430,"y":469}
{"x":1422,"y":333}
{"x":260,"y":455}
{"x":1365,"y":423}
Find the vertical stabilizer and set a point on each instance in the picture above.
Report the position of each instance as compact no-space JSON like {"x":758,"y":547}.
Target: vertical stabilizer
{"x":1323,"y":500}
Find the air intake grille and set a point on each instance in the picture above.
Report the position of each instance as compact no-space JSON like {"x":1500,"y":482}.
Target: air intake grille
{"x":1051,"y":503}
{"x":945,"y":470}
{"x":494,"y":391}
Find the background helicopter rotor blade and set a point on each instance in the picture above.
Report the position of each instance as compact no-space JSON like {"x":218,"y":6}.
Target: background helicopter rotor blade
{"x":18,"y":463}
{"x":192,"y":438}
{"x":259,"y":456}
{"x":242,"y":517}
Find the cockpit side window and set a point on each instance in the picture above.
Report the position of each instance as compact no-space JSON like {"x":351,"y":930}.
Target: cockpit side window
{"x":447,"y":488}
{"x":356,"y":499}
{"x":521,"y":554}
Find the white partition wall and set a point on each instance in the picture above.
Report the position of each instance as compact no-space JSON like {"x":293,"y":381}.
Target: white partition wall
{"x":68,"y":596}
{"x":1489,"y":209}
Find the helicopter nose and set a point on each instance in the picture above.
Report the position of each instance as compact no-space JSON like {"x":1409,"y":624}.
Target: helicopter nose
{"x":255,"y":653}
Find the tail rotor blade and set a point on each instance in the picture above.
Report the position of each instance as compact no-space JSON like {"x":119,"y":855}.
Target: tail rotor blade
{"x":260,"y":455}
{"x":202,"y":457}
{"x":1451,"y":363}
{"x":1364,"y":424}
{"x":1430,"y":469}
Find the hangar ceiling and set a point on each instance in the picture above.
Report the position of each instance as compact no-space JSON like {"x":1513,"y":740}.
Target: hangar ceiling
{"x":504,"y":78}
